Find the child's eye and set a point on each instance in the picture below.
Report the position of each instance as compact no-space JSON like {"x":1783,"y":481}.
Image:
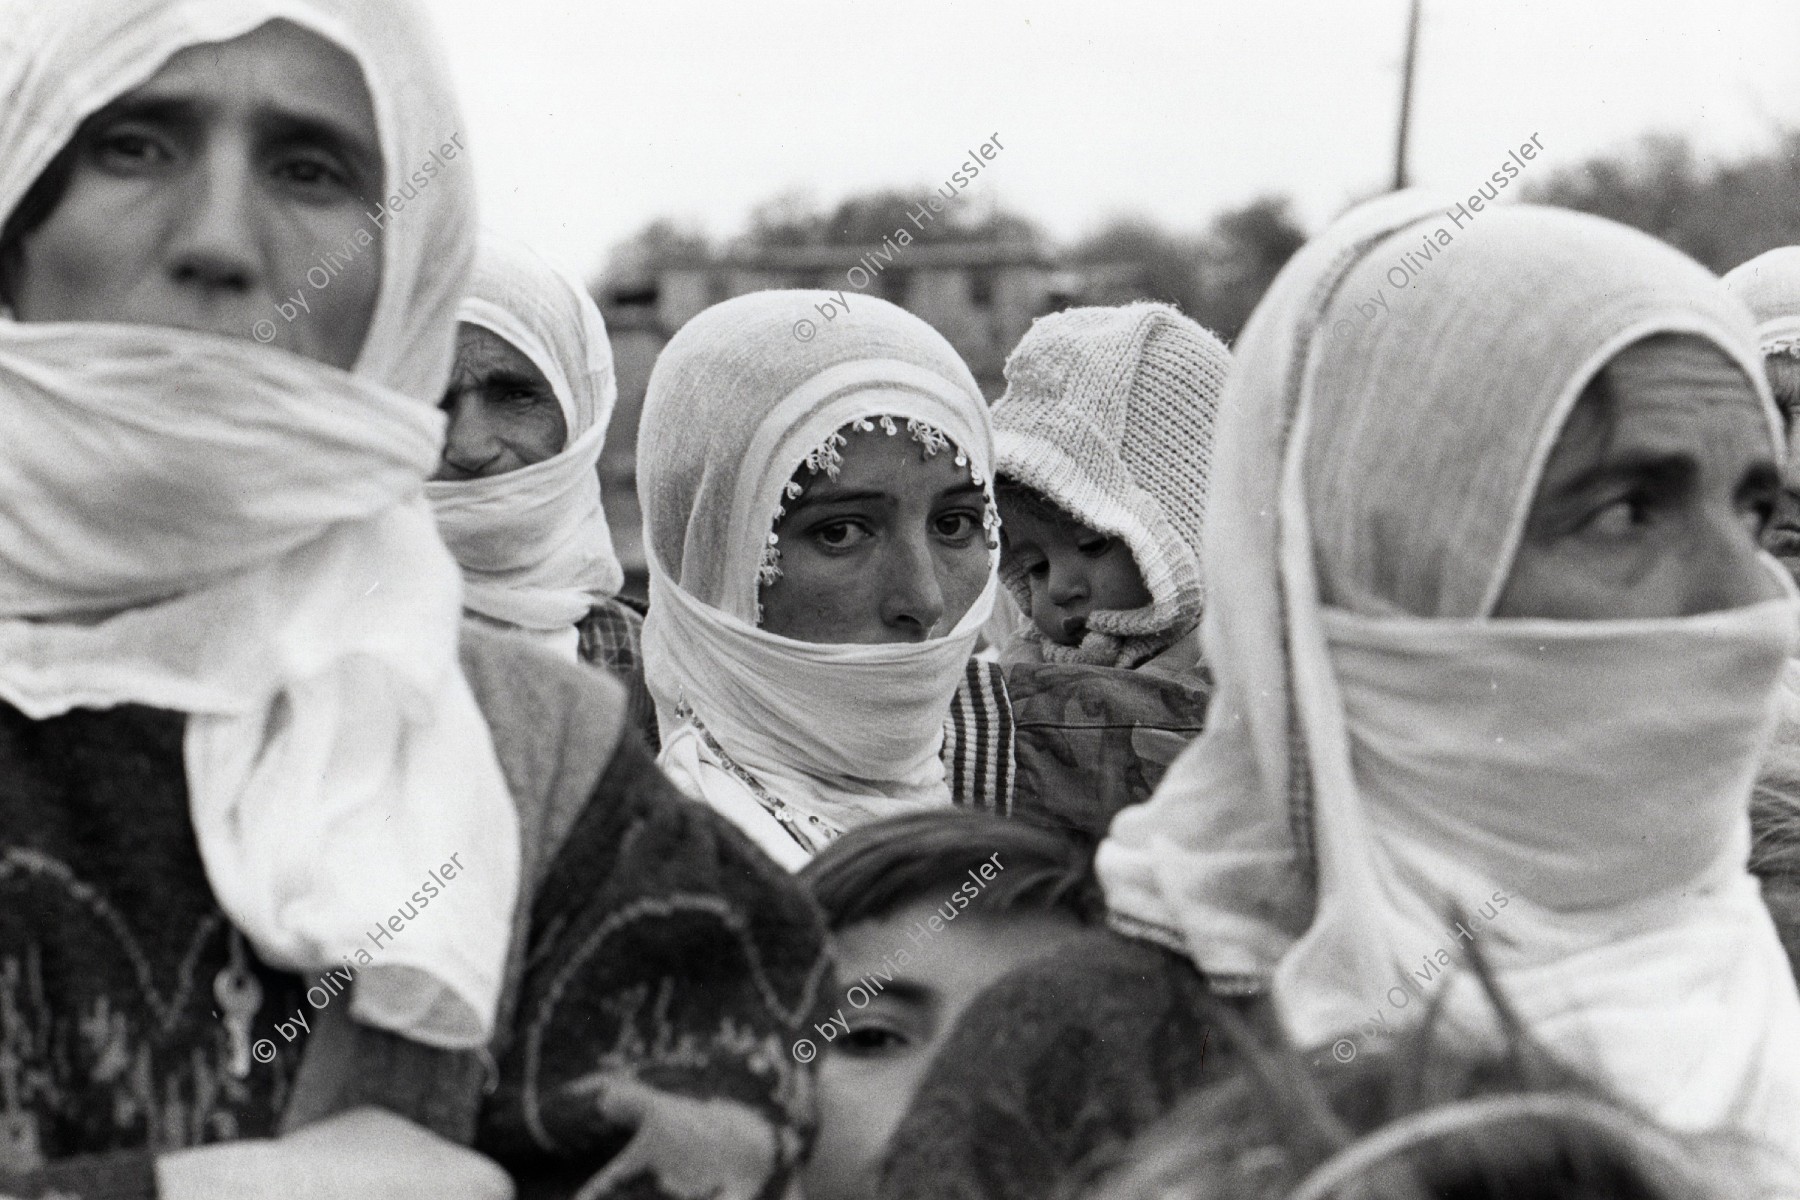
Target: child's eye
{"x":1095,"y":546}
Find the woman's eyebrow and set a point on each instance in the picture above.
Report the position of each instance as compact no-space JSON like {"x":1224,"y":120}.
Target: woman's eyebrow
{"x":156,"y":110}
{"x":961,"y":490}
{"x":315,"y":129}
{"x":829,"y":494}
{"x":1658,"y":470}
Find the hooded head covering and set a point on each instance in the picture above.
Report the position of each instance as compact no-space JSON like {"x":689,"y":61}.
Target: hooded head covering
{"x":1108,"y":414}
{"x":1769,"y":286}
{"x":827,"y":735}
{"x":203,"y":524}
{"x":1388,"y":771}
{"x":533,"y":543}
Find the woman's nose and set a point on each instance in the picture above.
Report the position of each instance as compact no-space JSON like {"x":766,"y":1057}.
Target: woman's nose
{"x":215,"y":247}
{"x":469,"y":443}
{"x":913,"y":594}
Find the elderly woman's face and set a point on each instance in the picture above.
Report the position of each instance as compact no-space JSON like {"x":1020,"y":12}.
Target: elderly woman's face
{"x":503,"y":411}
{"x":892,"y":550}
{"x":203,"y":198}
{"x":1654,"y":496}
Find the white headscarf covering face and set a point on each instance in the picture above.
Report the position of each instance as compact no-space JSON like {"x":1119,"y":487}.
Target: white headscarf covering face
{"x":840,"y":733}
{"x":533,"y":543}
{"x":1415,"y":756}
{"x":258,"y":553}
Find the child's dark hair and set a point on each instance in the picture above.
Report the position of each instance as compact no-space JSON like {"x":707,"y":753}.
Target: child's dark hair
{"x":877,"y":868}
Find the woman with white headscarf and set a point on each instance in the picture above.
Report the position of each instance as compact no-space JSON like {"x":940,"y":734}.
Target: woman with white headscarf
{"x":517,"y":492}
{"x":274,"y":828}
{"x":820,"y":532}
{"x":1497,"y":655}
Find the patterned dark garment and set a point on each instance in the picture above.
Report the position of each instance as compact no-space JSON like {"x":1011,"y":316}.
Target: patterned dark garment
{"x":116,"y":963}
{"x":664,"y":987}
{"x":657,"y":979}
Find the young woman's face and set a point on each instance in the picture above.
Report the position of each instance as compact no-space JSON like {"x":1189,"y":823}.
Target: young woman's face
{"x":201,"y":199}
{"x":1652,"y":502}
{"x":892,"y":550}
{"x":503,"y":411}
{"x":871,"y":1068}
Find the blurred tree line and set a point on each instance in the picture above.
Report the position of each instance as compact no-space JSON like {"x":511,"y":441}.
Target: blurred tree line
{"x":1720,"y":212}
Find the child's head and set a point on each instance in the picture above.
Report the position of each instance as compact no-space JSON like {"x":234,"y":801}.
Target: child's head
{"x":1105,"y":434}
{"x":925,"y":910}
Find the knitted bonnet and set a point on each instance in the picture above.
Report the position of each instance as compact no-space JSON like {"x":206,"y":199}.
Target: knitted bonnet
{"x":1108,"y":413}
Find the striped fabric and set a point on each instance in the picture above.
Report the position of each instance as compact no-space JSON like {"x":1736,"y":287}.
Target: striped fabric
{"x":978,"y":740}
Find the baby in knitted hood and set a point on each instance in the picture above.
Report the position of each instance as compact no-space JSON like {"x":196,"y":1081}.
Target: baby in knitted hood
{"x":1103,"y":442}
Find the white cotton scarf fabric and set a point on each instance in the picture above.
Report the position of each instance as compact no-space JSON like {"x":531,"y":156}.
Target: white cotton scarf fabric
{"x":533,"y":543}
{"x":840,"y":734}
{"x":1383,"y":753}
{"x":211,"y":526}
{"x":1769,"y":285}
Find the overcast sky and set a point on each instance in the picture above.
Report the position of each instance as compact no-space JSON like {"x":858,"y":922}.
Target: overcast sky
{"x":588,"y":119}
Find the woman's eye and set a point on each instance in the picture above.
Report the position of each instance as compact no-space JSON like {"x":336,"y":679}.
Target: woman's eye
{"x":1621,"y":518}
{"x":840,"y":535}
{"x":314,"y":175}
{"x":956,"y":526}
{"x":1038,"y":569}
{"x":874,"y":1039}
{"x":130,"y":150}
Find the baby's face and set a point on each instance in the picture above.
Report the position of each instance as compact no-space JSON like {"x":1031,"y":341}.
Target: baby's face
{"x":872,"y":1066}
{"x":1072,"y":570}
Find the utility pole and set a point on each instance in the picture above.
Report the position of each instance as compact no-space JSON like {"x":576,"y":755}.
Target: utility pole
{"x":1406,"y":89}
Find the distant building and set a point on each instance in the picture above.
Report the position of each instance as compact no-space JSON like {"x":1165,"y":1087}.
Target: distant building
{"x":982,"y":296}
